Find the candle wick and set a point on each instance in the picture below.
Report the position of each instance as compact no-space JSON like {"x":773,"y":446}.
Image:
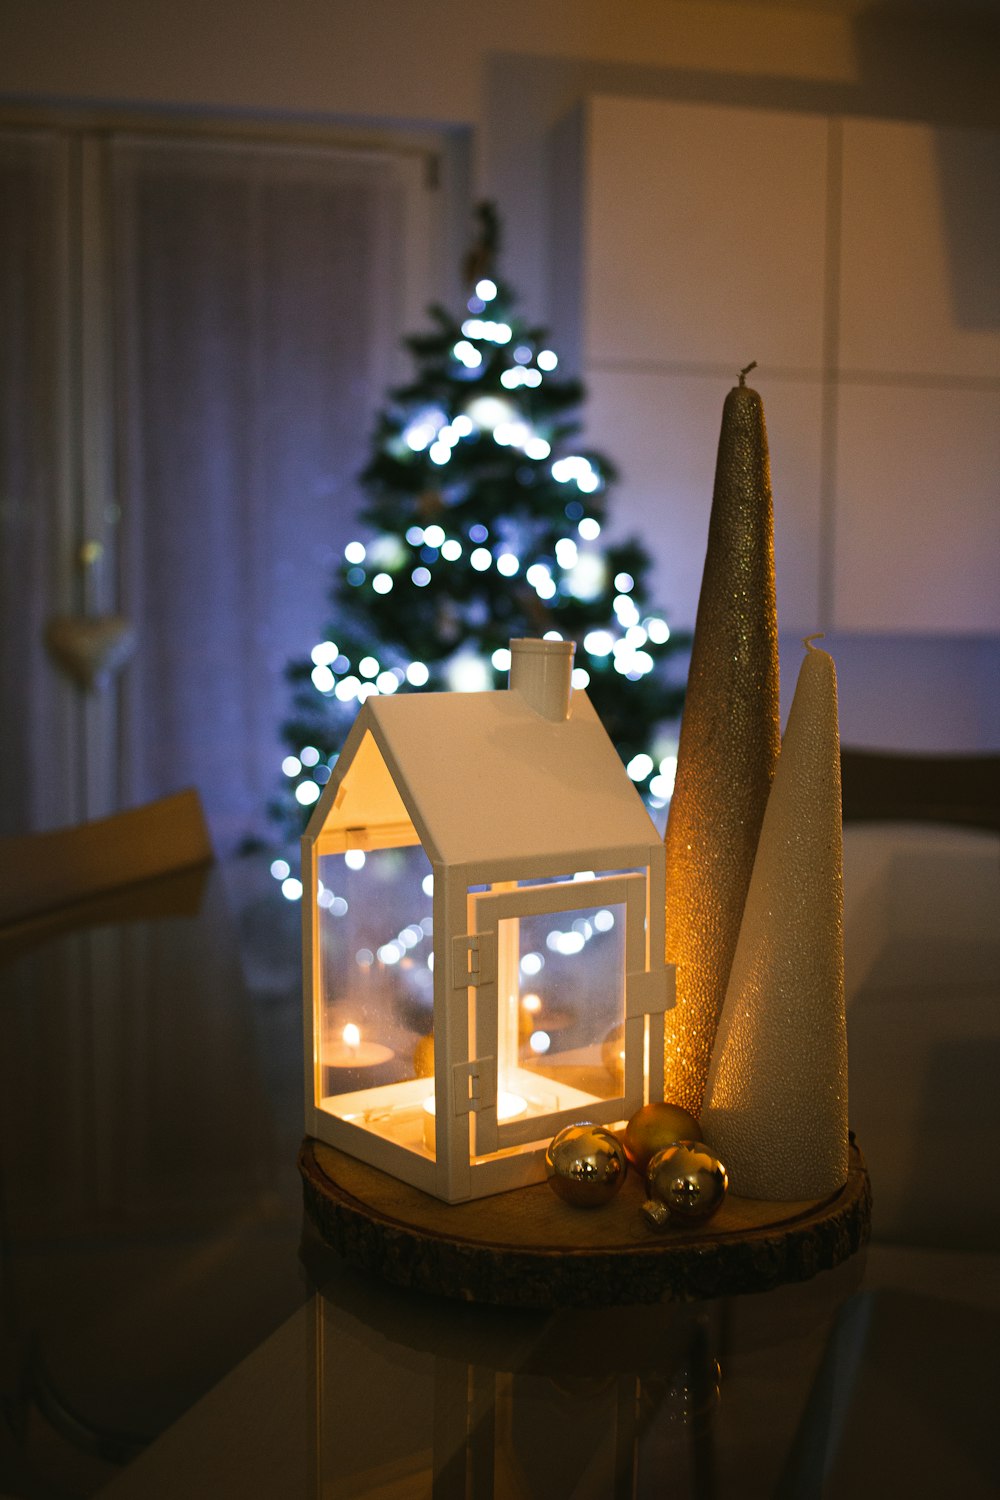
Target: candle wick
{"x":807,"y":640}
{"x":746,"y":371}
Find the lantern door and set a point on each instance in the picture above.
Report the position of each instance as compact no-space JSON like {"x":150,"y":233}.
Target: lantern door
{"x":566,"y":1003}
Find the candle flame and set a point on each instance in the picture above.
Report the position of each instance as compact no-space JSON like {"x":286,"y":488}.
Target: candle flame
{"x":509,"y":1106}
{"x":351,"y":1035}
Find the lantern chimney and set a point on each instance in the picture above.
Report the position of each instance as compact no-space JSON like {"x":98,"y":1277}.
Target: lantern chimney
{"x":541,"y":671}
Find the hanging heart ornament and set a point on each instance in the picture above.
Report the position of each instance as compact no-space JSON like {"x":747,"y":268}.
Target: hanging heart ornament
{"x":90,"y":649}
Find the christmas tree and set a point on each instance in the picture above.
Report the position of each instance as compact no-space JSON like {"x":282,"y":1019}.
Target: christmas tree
{"x":484,"y":517}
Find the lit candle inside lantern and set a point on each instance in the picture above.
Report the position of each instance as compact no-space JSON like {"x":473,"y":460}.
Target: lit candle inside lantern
{"x":509,"y":1107}
{"x":351,"y":1052}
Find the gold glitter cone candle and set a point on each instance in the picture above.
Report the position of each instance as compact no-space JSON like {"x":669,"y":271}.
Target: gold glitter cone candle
{"x":729,"y":744}
{"x":776,"y":1102}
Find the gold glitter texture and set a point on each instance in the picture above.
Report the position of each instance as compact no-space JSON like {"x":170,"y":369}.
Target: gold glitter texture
{"x":776,"y":1100}
{"x":729,"y":743}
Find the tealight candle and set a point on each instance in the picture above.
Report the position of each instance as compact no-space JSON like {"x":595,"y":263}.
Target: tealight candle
{"x":351,"y":1052}
{"x":509,"y":1107}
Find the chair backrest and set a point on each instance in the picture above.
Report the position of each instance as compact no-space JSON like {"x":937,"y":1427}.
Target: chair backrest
{"x":891,"y":787}
{"x":43,"y":872}
{"x":921,"y":960}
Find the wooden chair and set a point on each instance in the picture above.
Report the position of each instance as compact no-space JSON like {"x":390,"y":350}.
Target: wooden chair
{"x":42,"y":874}
{"x":885,"y":786}
{"x":921,"y":959}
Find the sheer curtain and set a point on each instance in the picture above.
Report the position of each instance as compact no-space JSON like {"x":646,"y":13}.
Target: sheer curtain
{"x":252,"y":296}
{"x":39,"y":721}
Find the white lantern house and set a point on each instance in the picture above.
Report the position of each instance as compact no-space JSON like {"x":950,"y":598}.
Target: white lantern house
{"x":483,"y":930}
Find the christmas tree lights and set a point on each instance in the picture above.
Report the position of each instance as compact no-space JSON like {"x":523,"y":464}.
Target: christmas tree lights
{"x":484,"y":519}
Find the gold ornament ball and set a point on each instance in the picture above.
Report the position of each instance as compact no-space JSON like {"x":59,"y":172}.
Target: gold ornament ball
{"x":655,"y":1126}
{"x":688,"y":1180}
{"x":585,"y":1165}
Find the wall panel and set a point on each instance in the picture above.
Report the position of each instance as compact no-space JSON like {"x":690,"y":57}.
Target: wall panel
{"x":855,"y":260}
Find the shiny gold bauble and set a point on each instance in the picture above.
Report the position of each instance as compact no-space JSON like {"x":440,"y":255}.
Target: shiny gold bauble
{"x":423,"y":1058}
{"x":585,"y":1165}
{"x":688,"y":1180}
{"x":654,"y":1126}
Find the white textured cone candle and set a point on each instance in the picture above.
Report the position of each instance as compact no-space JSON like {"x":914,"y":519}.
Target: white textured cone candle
{"x":776,"y":1100}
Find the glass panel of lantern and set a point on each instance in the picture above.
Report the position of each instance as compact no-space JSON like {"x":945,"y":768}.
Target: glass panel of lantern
{"x":568,"y":1008}
{"x":556,"y":1012}
{"x":374,"y":1015}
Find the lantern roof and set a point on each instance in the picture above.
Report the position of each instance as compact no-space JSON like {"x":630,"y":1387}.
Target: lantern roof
{"x":482,"y":778}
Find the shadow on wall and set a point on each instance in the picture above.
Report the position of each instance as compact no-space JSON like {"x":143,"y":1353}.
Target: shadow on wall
{"x":909,"y":64}
{"x":942,"y":66}
{"x":919,"y":63}
{"x":969,"y":172}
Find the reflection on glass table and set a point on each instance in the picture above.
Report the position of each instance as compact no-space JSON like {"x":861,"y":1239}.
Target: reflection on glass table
{"x":845,"y":1386}
{"x":168,"y":1331}
{"x":150,"y":1110}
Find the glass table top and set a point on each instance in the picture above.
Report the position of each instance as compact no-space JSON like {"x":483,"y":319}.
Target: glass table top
{"x":171,"y":1328}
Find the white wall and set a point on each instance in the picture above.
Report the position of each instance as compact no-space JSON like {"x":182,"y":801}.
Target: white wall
{"x":498,"y":80}
{"x":385,"y":58}
{"x":710,"y":234}
{"x":505,"y":74}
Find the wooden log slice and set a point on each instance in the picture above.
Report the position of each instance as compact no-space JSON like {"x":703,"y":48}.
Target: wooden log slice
{"x":527,"y":1248}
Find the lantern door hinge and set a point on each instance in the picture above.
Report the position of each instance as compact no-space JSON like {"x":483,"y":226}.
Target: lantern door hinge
{"x":473,"y":959}
{"x":650,"y":993}
{"x":474,"y":1085}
